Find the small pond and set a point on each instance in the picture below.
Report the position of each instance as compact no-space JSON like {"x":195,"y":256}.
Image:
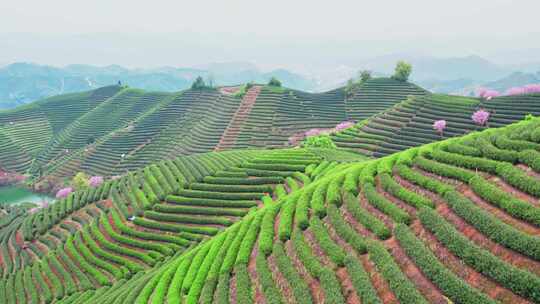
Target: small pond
{"x":18,"y":194}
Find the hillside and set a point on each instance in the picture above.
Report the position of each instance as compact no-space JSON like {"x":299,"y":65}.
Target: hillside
{"x":410,"y":123}
{"x":126,"y":129}
{"x":456,"y":220}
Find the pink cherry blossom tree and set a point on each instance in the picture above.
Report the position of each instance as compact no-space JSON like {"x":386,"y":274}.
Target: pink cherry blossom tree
{"x":313,"y":132}
{"x":64,"y":192}
{"x":439,"y":126}
{"x":95,"y":181}
{"x":480,"y":117}
{"x":343,"y":125}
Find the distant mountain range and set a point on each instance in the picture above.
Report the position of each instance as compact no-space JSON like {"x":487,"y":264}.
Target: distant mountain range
{"x":22,"y":83}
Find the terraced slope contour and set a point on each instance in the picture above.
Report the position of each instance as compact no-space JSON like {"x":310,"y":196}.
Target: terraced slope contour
{"x":455,"y":221}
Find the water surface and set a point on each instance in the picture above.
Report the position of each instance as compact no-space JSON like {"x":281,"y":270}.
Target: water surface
{"x":18,"y":194}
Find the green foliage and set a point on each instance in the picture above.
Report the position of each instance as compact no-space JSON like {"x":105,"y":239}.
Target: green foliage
{"x":365,"y":75}
{"x":505,"y":201}
{"x":320,"y":141}
{"x":403,"y":71}
{"x":450,"y":284}
{"x":410,"y":197}
{"x":199,"y":84}
{"x":365,"y":218}
{"x":402,"y":287}
{"x":299,"y":287}
{"x":361,"y":281}
{"x":80,"y":181}
{"x":519,"y":281}
{"x":274,"y":82}
{"x":492,"y":227}
{"x":383,"y":204}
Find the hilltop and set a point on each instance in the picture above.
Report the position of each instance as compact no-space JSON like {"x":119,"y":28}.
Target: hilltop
{"x":453,"y":220}
{"x":115,"y":129}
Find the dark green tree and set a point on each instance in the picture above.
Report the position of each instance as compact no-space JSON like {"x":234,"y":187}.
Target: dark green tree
{"x":199,"y":84}
{"x":274,"y":82}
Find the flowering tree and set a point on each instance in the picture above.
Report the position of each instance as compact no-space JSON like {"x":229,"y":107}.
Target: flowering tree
{"x":515,"y":91}
{"x":532,"y":88}
{"x":313,"y":132}
{"x":480,"y":117}
{"x":343,"y":125}
{"x":439,"y":125}
{"x":63,"y":193}
{"x":95,"y":181}
{"x":487,"y":93}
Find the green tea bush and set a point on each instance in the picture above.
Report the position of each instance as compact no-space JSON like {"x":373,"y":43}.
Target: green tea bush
{"x":519,"y":281}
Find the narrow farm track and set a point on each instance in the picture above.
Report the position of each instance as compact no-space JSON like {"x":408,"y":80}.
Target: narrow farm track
{"x":228,"y":138}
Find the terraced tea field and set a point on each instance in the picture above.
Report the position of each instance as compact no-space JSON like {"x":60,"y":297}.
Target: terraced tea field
{"x":410,"y":123}
{"x":456,"y":220}
{"x":115,"y":130}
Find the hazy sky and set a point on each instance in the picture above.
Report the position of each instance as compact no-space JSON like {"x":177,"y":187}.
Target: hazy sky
{"x":252,"y":30}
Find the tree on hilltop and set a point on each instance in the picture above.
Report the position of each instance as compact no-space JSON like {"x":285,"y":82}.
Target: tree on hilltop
{"x":365,"y":75}
{"x":274,"y":82}
{"x":403,"y":71}
{"x":199,"y":84}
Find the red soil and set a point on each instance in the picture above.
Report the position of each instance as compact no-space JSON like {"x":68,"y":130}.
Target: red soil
{"x":500,"y":214}
{"x":505,"y":254}
{"x":280,"y":280}
{"x":232,"y":289}
{"x":314,"y":285}
{"x":401,"y":204}
{"x":468,"y":274}
{"x":513,"y":191}
{"x":375,"y":212}
{"x":252,"y":270}
{"x":379,"y":283}
{"x":355,"y":224}
{"x":409,"y":268}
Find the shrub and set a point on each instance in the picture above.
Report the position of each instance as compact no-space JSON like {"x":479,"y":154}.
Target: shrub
{"x":402,"y":287}
{"x":274,"y":82}
{"x":403,"y":71}
{"x":519,"y":281}
{"x":271,"y":293}
{"x":320,"y":141}
{"x":334,"y":252}
{"x":507,"y":202}
{"x":449,"y":283}
{"x":199,"y":281}
{"x":97,"y":275}
{"x":299,"y":287}
{"x":243,"y":284}
{"x":411,"y":198}
{"x":266,"y":237}
{"x":361,"y":281}
{"x":492,"y":227}
{"x":387,"y":207}
{"x":531,"y":158}
{"x":345,"y":231}
{"x":286,"y":217}
{"x":366,"y":218}
{"x":246,"y":247}
{"x":232,"y":252}
{"x":519,"y":179}
{"x":421,"y":180}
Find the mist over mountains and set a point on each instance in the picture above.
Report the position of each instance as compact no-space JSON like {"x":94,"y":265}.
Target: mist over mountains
{"x":21,"y":83}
